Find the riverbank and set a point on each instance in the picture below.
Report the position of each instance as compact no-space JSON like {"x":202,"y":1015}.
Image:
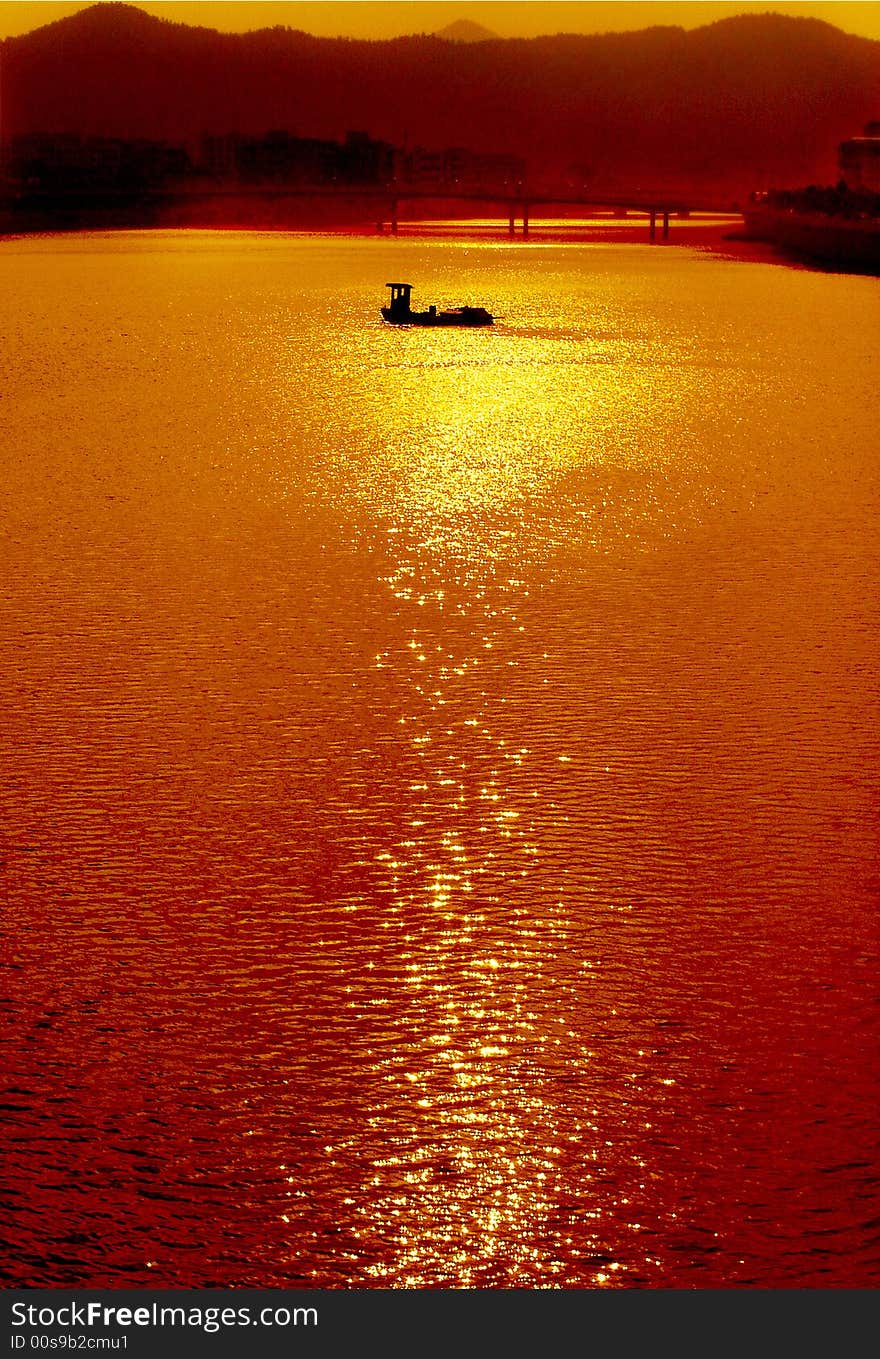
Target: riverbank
{"x":724,"y":234}
{"x":713,"y":234}
{"x":707,"y":230}
{"x":845,"y":244}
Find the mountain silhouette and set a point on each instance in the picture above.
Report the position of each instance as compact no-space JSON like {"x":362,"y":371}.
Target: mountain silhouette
{"x":465,"y":30}
{"x":746,"y":102}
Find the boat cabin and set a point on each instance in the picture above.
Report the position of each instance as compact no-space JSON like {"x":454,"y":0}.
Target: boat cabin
{"x":399,"y":305}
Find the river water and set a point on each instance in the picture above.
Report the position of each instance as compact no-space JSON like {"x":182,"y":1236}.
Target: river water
{"x":441,"y":768}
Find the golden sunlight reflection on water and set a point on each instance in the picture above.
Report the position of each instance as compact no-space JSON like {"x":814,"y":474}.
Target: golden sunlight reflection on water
{"x":448,"y":759}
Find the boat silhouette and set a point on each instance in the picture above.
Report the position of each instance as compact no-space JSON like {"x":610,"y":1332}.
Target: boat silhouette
{"x":400,"y":313}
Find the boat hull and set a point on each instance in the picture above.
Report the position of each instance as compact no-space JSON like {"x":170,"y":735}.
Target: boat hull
{"x":468,"y":316}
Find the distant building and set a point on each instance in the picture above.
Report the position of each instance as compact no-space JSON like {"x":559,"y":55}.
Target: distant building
{"x":859,"y":160}
{"x":365,"y":161}
{"x":425,"y":168}
{"x":460,"y":168}
{"x":219,"y":155}
{"x":61,"y":160}
{"x":281,"y":157}
{"x":67,"y":163}
{"x":479,"y":170}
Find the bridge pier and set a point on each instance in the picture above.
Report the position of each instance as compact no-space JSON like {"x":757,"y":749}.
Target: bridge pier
{"x":666,"y":224}
{"x":394,"y":217}
{"x":653,"y":224}
{"x":511,"y":218}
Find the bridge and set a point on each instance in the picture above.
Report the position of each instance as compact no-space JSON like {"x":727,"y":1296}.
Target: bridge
{"x":522,"y":206}
{"x":518,"y":207}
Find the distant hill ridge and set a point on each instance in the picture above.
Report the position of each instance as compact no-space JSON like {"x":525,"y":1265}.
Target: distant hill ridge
{"x":747,"y":101}
{"x":465,"y":30}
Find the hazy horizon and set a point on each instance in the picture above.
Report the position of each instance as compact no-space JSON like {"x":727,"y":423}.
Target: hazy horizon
{"x":378,"y":19}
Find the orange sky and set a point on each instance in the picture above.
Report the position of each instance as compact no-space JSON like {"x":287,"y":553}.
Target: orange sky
{"x":508,"y":18}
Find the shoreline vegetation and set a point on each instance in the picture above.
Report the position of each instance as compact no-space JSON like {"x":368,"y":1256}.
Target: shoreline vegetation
{"x":838,"y":227}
